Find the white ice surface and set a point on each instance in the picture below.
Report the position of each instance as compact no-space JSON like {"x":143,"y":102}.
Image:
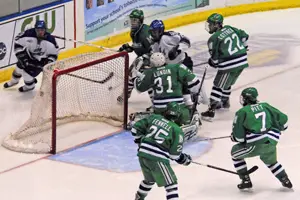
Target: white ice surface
{"x":278,"y":85}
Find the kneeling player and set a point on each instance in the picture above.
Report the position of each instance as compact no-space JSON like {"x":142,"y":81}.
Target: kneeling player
{"x":34,"y":49}
{"x":160,"y":138}
{"x":257,"y":128}
{"x":167,"y":81}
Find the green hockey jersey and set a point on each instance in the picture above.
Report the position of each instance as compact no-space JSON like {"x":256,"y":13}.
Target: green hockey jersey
{"x":161,"y":139}
{"x":227,"y":48}
{"x":141,"y":41}
{"x":259,"y":123}
{"x":167,"y":82}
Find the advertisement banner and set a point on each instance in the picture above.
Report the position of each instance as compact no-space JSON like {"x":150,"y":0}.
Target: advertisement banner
{"x":103,"y":17}
{"x":6,"y":43}
{"x":54,"y":18}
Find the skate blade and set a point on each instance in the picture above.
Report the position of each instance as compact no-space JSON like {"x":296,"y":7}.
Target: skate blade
{"x":208,"y":119}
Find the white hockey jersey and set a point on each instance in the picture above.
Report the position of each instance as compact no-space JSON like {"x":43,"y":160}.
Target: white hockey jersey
{"x":37,"y":49}
{"x":168,"y":41}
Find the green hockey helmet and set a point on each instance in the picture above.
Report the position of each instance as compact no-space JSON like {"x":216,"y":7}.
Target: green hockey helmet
{"x":173,"y":111}
{"x":214,"y":22}
{"x":136,"y":19}
{"x":249,"y":96}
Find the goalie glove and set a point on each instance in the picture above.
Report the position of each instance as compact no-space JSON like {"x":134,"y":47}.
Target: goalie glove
{"x":126,"y":47}
{"x":184,"y":159}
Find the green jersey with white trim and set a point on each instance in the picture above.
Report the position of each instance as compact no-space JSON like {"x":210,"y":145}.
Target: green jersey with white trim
{"x":161,"y":139}
{"x":259,"y":123}
{"x":227,"y":48}
{"x":167,"y":82}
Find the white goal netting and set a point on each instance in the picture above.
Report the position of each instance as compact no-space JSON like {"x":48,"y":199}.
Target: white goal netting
{"x":84,"y":92}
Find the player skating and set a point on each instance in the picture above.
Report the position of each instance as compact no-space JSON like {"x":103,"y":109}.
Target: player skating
{"x":257,"y":128}
{"x":160,"y":139}
{"x":228,"y":49}
{"x":34,"y":48}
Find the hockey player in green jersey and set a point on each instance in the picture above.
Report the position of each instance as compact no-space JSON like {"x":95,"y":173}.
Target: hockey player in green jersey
{"x":160,"y":139}
{"x":228,"y":49}
{"x":167,"y":81}
{"x":257,"y":128}
{"x":141,"y":43}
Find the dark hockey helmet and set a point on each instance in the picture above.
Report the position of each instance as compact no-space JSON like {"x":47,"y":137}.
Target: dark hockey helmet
{"x":40,"y":28}
{"x":214,"y":22}
{"x":157,"y":28}
{"x":249,"y":96}
{"x":136,"y":19}
{"x":173,"y":111}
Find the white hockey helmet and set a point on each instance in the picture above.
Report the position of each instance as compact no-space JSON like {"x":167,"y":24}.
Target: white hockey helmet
{"x":157,"y":59}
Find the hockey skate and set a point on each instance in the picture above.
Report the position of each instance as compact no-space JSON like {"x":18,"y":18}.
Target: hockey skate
{"x":10,"y":83}
{"x":285,"y":181}
{"x":223,"y":105}
{"x":25,"y":88}
{"x":208,"y":115}
{"x":245,"y":184}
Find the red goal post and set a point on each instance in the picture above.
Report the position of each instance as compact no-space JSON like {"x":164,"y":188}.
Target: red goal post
{"x":80,"y":88}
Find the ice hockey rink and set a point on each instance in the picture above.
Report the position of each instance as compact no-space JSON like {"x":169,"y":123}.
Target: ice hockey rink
{"x":274,"y":70}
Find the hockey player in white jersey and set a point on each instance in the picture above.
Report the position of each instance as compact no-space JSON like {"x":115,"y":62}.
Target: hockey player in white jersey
{"x":170,"y":43}
{"x":34,"y":48}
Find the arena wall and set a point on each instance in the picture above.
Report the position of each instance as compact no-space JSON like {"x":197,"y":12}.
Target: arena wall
{"x":73,"y":20}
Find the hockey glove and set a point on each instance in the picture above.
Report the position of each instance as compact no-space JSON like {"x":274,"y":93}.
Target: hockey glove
{"x":126,"y":47}
{"x":173,"y":53}
{"x":184,"y":159}
{"x":211,"y":63}
{"x":233,"y":139}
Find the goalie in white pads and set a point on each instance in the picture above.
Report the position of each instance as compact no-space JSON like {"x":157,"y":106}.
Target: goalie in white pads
{"x":34,"y":49}
{"x":167,"y":81}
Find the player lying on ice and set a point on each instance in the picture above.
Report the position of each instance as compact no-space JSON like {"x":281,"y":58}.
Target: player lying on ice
{"x":167,"y":81}
{"x":34,"y":48}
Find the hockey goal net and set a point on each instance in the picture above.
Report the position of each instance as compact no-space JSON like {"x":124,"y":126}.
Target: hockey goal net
{"x":80,"y":88}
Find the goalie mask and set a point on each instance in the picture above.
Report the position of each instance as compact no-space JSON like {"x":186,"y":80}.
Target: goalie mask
{"x":173,"y":111}
{"x":157,"y":60}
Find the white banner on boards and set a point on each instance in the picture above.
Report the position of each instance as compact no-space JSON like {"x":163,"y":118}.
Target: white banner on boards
{"x":55,"y":21}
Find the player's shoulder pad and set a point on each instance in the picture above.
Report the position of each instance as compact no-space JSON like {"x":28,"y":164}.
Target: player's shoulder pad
{"x":51,"y":39}
{"x":170,"y":33}
{"x":27,"y":33}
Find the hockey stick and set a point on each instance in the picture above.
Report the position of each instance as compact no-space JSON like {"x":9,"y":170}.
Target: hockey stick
{"x":250,"y":171}
{"x":111,"y":74}
{"x":194,"y":108}
{"x":215,"y":138}
{"x":199,"y":64}
{"x":85,"y":43}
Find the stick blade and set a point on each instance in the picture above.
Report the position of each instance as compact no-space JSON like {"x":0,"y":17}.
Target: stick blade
{"x":252,"y":169}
